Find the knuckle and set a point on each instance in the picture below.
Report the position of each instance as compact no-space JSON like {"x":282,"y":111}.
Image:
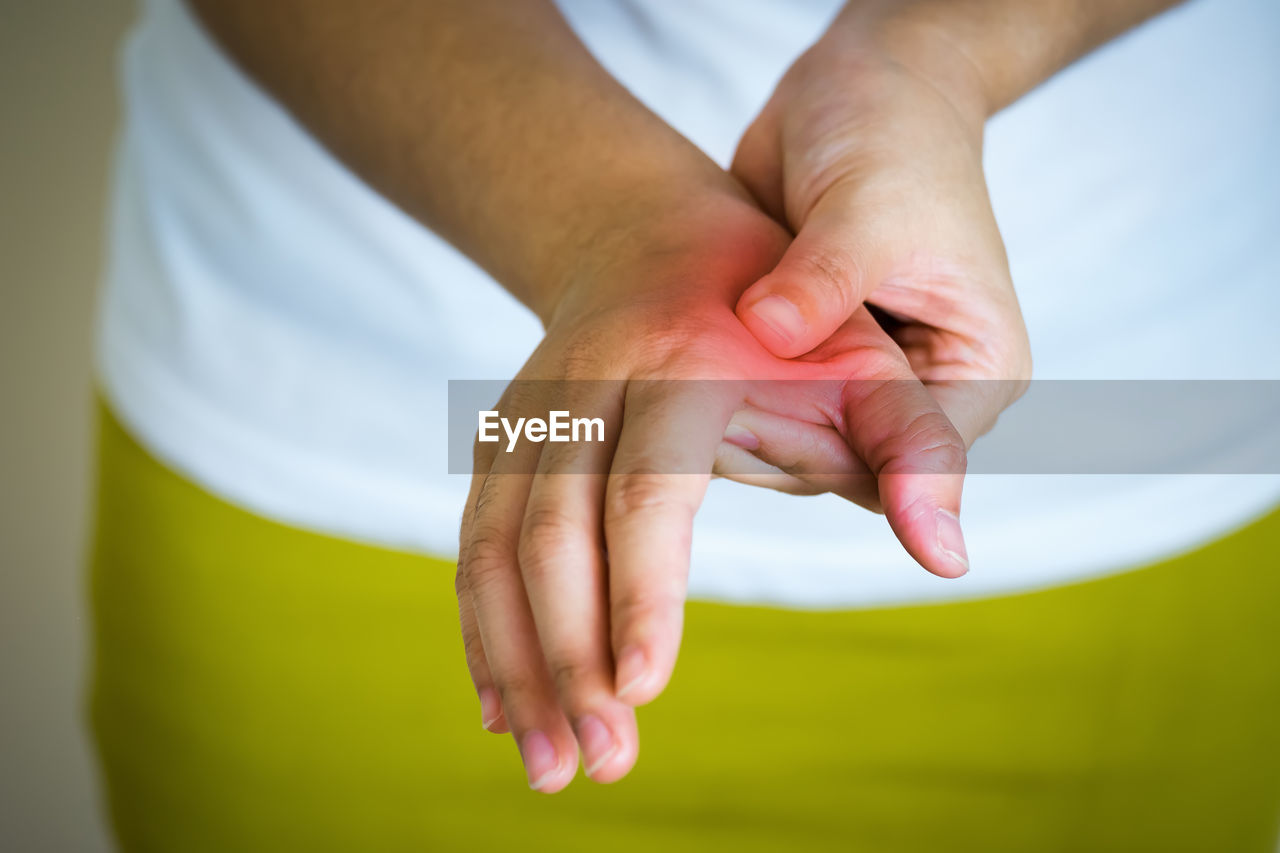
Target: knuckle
{"x":928,"y":444}
{"x":514,"y":687}
{"x":875,"y":367}
{"x":488,"y":558}
{"x":947,"y":457}
{"x":639,"y":491}
{"x":831,"y":275}
{"x":570,"y":674}
{"x":659,"y":340}
{"x":640,"y":612}
{"x":548,"y":537}
{"x":673,"y":348}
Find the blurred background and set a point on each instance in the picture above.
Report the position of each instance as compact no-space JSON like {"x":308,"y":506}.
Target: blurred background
{"x":58,"y":111}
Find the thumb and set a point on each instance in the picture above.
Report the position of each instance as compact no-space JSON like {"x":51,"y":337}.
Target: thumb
{"x":821,"y":280}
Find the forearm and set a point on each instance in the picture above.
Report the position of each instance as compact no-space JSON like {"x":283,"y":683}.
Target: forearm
{"x":988,"y":53}
{"x":485,"y":119}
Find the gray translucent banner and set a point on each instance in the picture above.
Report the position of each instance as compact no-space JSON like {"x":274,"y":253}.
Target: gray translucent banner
{"x":1055,"y":427}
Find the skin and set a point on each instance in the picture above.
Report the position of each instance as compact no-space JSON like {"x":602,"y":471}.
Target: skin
{"x":870,"y":149}
{"x":489,"y":122}
{"x":561,"y":642}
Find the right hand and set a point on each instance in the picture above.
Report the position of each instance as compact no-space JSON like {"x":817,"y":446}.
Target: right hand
{"x":873,"y":157}
{"x":574,"y":557}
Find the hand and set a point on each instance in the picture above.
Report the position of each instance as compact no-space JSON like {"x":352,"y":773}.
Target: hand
{"x":875,"y":162}
{"x":574,"y":557}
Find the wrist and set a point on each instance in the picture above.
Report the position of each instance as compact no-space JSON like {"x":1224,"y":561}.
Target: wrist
{"x":649,"y":239}
{"x":987,"y":54}
{"x":916,"y":40}
{"x":878,"y":96}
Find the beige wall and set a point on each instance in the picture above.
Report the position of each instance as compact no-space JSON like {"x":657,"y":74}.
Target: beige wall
{"x":57,"y":113}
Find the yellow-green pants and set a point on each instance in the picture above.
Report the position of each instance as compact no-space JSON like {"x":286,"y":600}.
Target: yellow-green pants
{"x":259,"y":688}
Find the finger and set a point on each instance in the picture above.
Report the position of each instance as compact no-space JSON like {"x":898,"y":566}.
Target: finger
{"x":562,"y":563}
{"x":995,"y":375}
{"x":491,"y":717}
{"x":826,"y":273}
{"x":814,"y":455}
{"x":918,"y":457}
{"x":659,"y":476}
{"x":506,"y":627}
{"x":740,"y":466}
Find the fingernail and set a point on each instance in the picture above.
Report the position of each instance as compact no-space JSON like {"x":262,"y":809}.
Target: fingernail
{"x":596,"y":741}
{"x":740,"y":436}
{"x":490,"y":707}
{"x":951,"y":539}
{"x":632,"y":670}
{"x":781,"y":316}
{"x":540,"y":759}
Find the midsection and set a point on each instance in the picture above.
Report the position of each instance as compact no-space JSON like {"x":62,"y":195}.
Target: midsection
{"x":283,"y":335}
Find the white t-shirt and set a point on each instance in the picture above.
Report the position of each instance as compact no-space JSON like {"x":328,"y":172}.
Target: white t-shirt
{"x":281,"y":334}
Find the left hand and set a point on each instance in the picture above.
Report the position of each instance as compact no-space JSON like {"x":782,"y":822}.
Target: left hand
{"x":874,"y":160}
